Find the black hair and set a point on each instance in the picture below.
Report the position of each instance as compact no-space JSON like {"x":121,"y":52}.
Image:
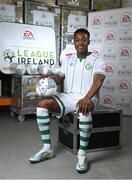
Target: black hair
{"x":81,"y":30}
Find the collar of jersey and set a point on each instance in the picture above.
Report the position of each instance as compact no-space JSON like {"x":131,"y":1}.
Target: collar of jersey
{"x":81,"y":59}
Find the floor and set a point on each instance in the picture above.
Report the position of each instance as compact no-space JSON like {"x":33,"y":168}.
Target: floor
{"x":19,"y":140}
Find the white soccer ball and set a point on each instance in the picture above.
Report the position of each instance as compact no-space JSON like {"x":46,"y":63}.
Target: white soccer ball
{"x":55,"y":69}
{"x":46,"y":87}
{"x":32,"y":69}
{"x":21,"y":69}
{"x":43,"y":69}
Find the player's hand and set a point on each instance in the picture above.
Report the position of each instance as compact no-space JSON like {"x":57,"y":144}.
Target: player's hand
{"x":42,"y":76}
{"x":85,"y":105}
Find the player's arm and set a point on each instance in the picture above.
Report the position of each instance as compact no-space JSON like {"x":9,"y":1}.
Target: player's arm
{"x":97,"y":83}
{"x":57,"y":78}
{"x":84,"y":104}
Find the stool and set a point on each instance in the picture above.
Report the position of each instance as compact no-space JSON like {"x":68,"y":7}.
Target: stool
{"x":106,"y":132}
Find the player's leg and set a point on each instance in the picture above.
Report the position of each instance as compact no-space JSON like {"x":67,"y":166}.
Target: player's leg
{"x":85,"y":127}
{"x":43,"y":121}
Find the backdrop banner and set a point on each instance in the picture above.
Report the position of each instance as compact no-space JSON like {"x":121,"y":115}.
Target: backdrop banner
{"x":111,"y":38}
{"x":25,"y":44}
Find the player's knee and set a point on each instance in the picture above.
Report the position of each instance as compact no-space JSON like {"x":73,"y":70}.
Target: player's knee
{"x":43,"y":103}
{"x":92,"y":106}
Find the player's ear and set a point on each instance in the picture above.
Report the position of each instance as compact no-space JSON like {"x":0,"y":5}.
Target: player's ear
{"x":88,"y":42}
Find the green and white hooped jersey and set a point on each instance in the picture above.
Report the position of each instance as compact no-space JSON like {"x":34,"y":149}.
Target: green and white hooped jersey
{"x":79,"y":73}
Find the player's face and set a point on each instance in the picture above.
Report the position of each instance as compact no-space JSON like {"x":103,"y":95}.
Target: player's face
{"x":81,"y":42}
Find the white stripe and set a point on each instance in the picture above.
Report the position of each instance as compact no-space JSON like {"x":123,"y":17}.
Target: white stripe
{"x":42,"y":111}
{"x":85,"y":118}
{"x":43,"y":120}
{"x":43,"y":128}
{"x":61,"y":107}
{"x":83,"y":143}
{"x":82,"y":134}
{"x":46,"y":136}
{"x":85,"y":126}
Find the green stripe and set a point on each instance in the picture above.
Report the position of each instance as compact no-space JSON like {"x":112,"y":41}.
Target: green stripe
{"x":83,"y":147}
{"x":85,"y":130}
{"x":85,"y":139}
{"x":42,"y":117}
{"x":44,"y":124}
{"x":82,"y":75}
{"x":73,"y":75}
{"x":85,"y":122}
{"x":62,"y":104}
{"x":45,"y":132}
{"x":46,"y":141}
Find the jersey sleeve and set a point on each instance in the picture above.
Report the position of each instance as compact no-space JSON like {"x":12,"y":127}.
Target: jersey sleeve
{"x":99,"y":67}
{"x":62,"y":64}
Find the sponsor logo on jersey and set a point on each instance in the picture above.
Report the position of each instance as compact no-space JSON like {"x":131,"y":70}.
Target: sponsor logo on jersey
{"x":71,"y":64}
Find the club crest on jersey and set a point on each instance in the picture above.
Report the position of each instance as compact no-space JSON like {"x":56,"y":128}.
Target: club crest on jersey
{"x":88,"y":66}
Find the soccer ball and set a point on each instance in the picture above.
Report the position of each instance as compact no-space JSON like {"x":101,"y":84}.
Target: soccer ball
{"x":21,"y":69}
{"x":46,"y":87}
{"x":12,"y":68}
{"x":32,"y":69}
{"x":43,"y":69}
{"x":55,"y":69}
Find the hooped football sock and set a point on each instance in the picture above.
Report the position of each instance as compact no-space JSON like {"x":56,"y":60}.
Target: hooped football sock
{"x":43,"y":121}
{"x":85,"y":126}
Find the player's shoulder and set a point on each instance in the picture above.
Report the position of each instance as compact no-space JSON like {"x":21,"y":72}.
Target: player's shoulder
{"x":96,"y":57}
{"x":66,"y":53}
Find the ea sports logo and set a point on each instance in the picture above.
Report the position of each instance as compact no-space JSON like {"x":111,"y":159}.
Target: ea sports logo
{"x":126,"y":18}
{"x":107,"y":100}
{"x":123,"y":86}
{"x":124,"y":53}
{"x":109,"y":69}
{"x":110,"y":37}
{"x":96,"y":22}
{"x":28,"y":35}
{"x":96,"y":52}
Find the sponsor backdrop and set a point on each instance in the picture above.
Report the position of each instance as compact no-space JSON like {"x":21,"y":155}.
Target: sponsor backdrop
{"x":25,"y":44}
{"x":111,"y":37}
